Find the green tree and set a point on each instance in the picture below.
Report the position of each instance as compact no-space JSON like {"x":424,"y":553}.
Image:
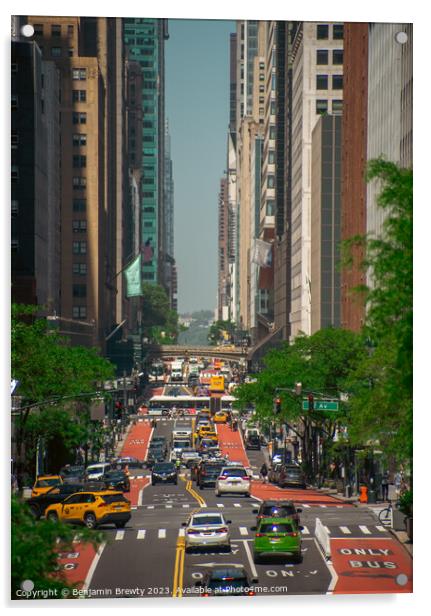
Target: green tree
{"x":35,"y":546}
{"x":382,"y":387}
{"x":216,"y":335}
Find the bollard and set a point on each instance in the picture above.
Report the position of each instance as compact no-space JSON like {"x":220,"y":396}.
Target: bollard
{"x":363,"y":496}
{"x":348,"y":491}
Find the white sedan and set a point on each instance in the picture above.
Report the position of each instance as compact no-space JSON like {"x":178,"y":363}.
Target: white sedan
{"x":233,"y":480}
{"x":207,"y":530}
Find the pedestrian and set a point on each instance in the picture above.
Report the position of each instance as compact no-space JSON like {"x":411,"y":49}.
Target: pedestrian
{"x":178,"y":463}
{"x":264,"y":472}
{"x":397,"y":483}
{"x":385,"y":486}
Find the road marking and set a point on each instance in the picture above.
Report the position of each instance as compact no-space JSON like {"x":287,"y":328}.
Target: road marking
{"x":168,"y":506}
{"x":162,"y":533}
{"x":120,"y":535}
{"x":243,"y":530}
{"x":327,"y":529}
{"x":305,"y":530}
{"x":323,"y":506}
{"x":306,"y":506}
{"x":345,"y":530}
{"x":179,"y":568}
{"x":93,"y":566}
{"x":250,"y":559}
{"x":382,"y":529}
{"x":220,"y":505}
{"x":181,"y":532}
{"x":186,"y":506}
{"x":150,"y":507}
{"x":237,"y":504}
{"x":365,"y":530}
{"x":141,"y":534}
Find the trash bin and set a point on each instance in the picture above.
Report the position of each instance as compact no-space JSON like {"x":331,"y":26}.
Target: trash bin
{"x":372,"y":496}
{"x":348,"y":491}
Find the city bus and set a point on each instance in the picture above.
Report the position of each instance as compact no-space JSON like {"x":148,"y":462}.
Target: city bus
{"x":161,"y":405}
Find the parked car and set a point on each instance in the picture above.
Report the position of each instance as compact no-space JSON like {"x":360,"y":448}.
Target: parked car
{"x":277,"y":536}
{"x":278,"y":509}
{"x":207,"y":530}
{"x":291,"y":475}
{"x":225,"y":580}
{"x":116,"y":480}
{"x":94,"y":472}
{"x":164,"y":472}
{"x":92,"y":509}
{"x":44,"y":483}
{"x":233,"y":480}
{"x":56,"y":494}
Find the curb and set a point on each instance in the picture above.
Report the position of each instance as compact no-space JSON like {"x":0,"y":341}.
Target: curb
{"x":395,"y":535}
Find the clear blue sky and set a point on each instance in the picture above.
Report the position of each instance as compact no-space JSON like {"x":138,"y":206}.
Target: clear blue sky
{"x":197,"y":107}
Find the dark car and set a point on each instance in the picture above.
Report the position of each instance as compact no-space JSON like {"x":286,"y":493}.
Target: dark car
{"x":226,"y":580}
{"x":277,"y":509}
{"x":117,"y":480}
{"x":72,"y":473}
{"x":253,"y":442}
{"x":159,"y":441}
{"x":207,"y":474}
{"x":129,"y":461}
{"x":291,"y":475}
{"x":57,"y":494}
{"x":164,"y":472}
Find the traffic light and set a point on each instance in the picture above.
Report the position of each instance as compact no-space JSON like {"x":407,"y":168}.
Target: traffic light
{"x":310,"y":402}
{"x":118,"y":409}
{"x":277,"y":406}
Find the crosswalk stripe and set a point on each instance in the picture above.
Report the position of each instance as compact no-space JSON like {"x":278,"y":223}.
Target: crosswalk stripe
{"x":120,"y":535}
{"x":382,"y":529}
{"x":345,"y":530}
{"x":323,"y":506}
{"x":365,"y":530}
{"x":186,"y":506}
{"x":181,"y":532}
{"x":237,"y":504}
{"x":162,"y":533}
{"x":168,"y":506}
{"x":220,"y":505}
{"x":306,"y":506}
{"x":141,"y":534}
{"x":150,"y":507}
{"x":305,"y":530}
{"x":243,"y":530}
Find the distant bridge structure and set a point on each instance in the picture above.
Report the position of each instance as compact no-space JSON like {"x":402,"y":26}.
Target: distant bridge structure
{"x":161,"y":351}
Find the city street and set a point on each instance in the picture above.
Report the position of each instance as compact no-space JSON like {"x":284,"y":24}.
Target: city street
{"x":147,"y":558}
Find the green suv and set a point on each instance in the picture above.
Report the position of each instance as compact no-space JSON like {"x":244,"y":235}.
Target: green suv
{"x":277,"y":536}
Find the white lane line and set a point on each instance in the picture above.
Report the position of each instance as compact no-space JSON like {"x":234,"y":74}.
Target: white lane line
{"x":237,"y":504}
{"x":141,"y":534}
{"x":93,"y":566}
{"x":162,"y":533}
{"x":382,"y":529}
{"x":345,"y":530}
{"x":220,"y":505}
{"x":120,"y":535}
{"x":150,"y":507}
{"x":181,"y":532}
{"x":323,"y":506}
{"x":186,"y":506}
{"x":365,"y":530}
{"x":305,"y":530}
{"x":243,"y":530}
{"x":168,"y":506}
{"x":250,"y":559}
{"x":306,"y":506}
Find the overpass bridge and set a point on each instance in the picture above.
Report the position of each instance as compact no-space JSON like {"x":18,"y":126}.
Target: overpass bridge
{"x":163,"y":351}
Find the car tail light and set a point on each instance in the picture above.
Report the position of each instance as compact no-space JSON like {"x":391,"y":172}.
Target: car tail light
{"x":102,"y":505}
{"x":246,"y":479}
{"x":222,"y":530}
{"x":222,"y":477}
{"x":251,"y":593}
{"x":291,"y":534}
{"x":261,"y":535}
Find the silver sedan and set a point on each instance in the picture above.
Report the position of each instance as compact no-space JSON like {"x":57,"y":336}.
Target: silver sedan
{"x":207,"y":530}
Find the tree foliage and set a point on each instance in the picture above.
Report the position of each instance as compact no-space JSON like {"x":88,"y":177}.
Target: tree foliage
{"x":217,"y":329}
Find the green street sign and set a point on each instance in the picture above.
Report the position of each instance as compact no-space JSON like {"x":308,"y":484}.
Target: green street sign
{"x":322,"y":405}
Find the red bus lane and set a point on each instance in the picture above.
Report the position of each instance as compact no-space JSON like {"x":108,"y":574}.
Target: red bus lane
{"x":77,"y":562}
{"x":268,"y":491}
{"x":371,"y":566}
{"x":231,"y":444}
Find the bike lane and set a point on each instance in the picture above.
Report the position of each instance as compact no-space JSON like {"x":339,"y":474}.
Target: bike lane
{"x":231,"y":444}
{"x":371,"y":566}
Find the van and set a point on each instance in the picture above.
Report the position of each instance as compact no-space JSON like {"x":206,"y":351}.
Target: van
{"x":179,"y":434}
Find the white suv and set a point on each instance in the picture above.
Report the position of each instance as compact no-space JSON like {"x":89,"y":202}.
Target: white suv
{"x":233,"y":480}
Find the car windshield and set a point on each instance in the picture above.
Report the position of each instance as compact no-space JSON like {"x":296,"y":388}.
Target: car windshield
{"x":293,"y":471}
{"x":235,"y":472}
{"x":278,"y":511}
{"x":95,"y":469}
{"x":47,"y":483}
{"x":181,"y":444}
{"x":114,"y":498}
{"x":164,"y":468}
{"x":207,"y":520}
{"x":276,"y":528}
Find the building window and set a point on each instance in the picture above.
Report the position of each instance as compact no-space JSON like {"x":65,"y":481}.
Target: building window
{"x":70,"y":52}
{"x":338,"y":32}
{"x":79,"y":248}
{"x":79,"y":312}
{"x":14,"y":208}
{"x":79,"y":290}
{"x":79,"y":118}
{"x":272,"y":132}
{"x":271,"y":157}
{"x":80,"y":269}
{"x":79,"y":162}
{"x":79,"y":205}
{"x":321,"y":82}
{"x":56,"y":52}
{"x":273,"y":108}
{"x":79,"y":182}
{"x":148,"y":276}
{"x":337,"y":106}
{"x":55,"y":30}
{"x":70,"y":30}
{"x":79,"y":96}
{"x":271,"y":181}
{"x":79,"y":74}
{"x":79,"y":139}
{"x":322,"y":56}
{"x":321,"y":106}
{"x":79,"y":226}
{"x":322,"y":31}
{"x":14,"y":172}
{"x":14,"y":140}
{"x":270,"y":207}
{"x":337,"y":82}
{"x":337,"y":56}
{"x":38,"y":29}
{"x":261,"y":99}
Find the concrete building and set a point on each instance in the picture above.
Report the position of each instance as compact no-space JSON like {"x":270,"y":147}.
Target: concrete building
{"x":223,"y":254}
{"x":317,"y":86}
{"x":325,"y":222}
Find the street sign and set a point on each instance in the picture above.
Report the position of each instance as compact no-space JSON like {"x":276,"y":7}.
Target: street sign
{"x":322,"y":405}
{"x":217,"y":383}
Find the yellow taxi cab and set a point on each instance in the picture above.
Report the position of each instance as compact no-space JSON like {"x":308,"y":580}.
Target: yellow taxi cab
{"x":202,"y":431}
{"x":44,"y":483}
{"x":92,"y":509}
{"x":220,"y":417}
{"x":210,"y":434}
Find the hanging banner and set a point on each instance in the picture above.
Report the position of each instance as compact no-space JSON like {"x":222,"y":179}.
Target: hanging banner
{"x":262,"y":253}
{"x":133,"y":277}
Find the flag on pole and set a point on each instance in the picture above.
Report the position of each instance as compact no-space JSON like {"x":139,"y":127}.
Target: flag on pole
{"x":262,"y":253}
{"x":133,"y":277}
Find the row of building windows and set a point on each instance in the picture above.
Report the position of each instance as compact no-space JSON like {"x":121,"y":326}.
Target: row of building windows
{"x":322,"y":106}
{"x":56,"y":29}
{"x":322,"y":56}
{"x":322,"y":82}
{"x":57,"y":52}
{"x":322,"y":31}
